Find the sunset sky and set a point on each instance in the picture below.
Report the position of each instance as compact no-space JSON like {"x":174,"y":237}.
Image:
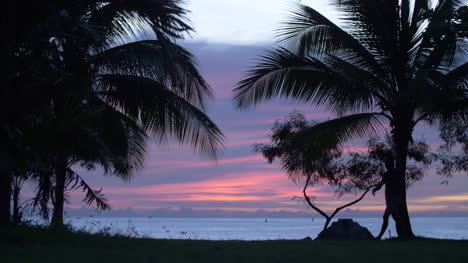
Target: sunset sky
{"x":230,"y":36}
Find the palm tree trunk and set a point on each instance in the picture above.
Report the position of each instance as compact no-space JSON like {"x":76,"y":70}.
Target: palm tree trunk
{"x":400,"y":212}
{"x":5,"y":179}
{"x":16,"y":209}
{"x":396,"y":197}
{"x":5,"y":199}
{"x":59,"y":201}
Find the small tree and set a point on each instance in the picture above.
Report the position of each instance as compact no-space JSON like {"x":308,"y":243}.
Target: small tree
{"x":347,"y":173}
{"x":328,"y":168}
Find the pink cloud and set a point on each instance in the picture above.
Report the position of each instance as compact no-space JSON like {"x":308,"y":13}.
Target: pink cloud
{"x":279,"y":114}
{"x":192,"y":164}
{"x":246,"y":142}
{"x":246,"y":134}
{"x":355,"y":149}
{"x":241,"y":188}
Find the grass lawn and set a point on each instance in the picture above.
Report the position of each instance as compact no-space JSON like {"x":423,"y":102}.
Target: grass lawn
{"x":37,"y":245}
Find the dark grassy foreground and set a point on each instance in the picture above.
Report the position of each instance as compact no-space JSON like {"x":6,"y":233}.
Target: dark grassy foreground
{"x":37,"y":245}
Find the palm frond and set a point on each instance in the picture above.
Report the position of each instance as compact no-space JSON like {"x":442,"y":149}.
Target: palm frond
{"x":440,"y":45}
{"x":307,"y":31}
{"x":167,"y":16}
{"x":113,"y":26}
{"x":375,"y":23}
{"x":126,"y":142}
{"x":445,"y":95}
{"x":44,"y":190}
{"x":162,"y":112}
{"x":284,"y":74}
{"x":458,"y":78}
{"x":75,"y":182}
{"x":160,"y":60}
{"x":337,"y":132}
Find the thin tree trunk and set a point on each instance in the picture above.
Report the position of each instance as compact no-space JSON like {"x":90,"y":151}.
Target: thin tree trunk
{"x":59,"y":200}
{"x":384,"y":225}
{"x":328,"y":218}
{"x":337,"y":210}
{"x":318,"y":210}
{"x":327,"y":223}
{"x":5,"y":199}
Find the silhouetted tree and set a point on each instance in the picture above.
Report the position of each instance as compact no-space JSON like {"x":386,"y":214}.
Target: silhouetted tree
{"x":113,"y":73}
{"x":403,"y":62}
{"x":347,"y":173}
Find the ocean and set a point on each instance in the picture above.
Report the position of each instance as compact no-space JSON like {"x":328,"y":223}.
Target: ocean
{"x":255,"y":228}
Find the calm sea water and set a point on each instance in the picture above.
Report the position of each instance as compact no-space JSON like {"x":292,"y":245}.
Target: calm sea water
{"x":255,"y":229}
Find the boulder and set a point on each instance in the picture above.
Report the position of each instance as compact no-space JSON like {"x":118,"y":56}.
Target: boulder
{"x":345,"y":229}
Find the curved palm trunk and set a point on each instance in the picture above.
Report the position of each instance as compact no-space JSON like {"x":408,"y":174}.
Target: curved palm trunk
{"x":5,"y":199}
{"x":396,"y":188}
{"x":59,"y":200}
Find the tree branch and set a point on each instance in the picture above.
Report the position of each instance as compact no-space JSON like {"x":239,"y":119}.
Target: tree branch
{"x":352,"y":203}
{"x":318,"y":210}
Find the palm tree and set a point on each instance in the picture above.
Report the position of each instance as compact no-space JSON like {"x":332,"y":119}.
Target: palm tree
{"x":119,"y":61}
{"x":153,"y":82}
{"x":20,"y":100}
{"x":401,"y":62}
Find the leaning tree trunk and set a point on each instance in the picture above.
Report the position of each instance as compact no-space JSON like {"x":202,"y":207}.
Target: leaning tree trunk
{"x":5,"y":199}
{"x":59,"y":200}
{"x":396,"y":199}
